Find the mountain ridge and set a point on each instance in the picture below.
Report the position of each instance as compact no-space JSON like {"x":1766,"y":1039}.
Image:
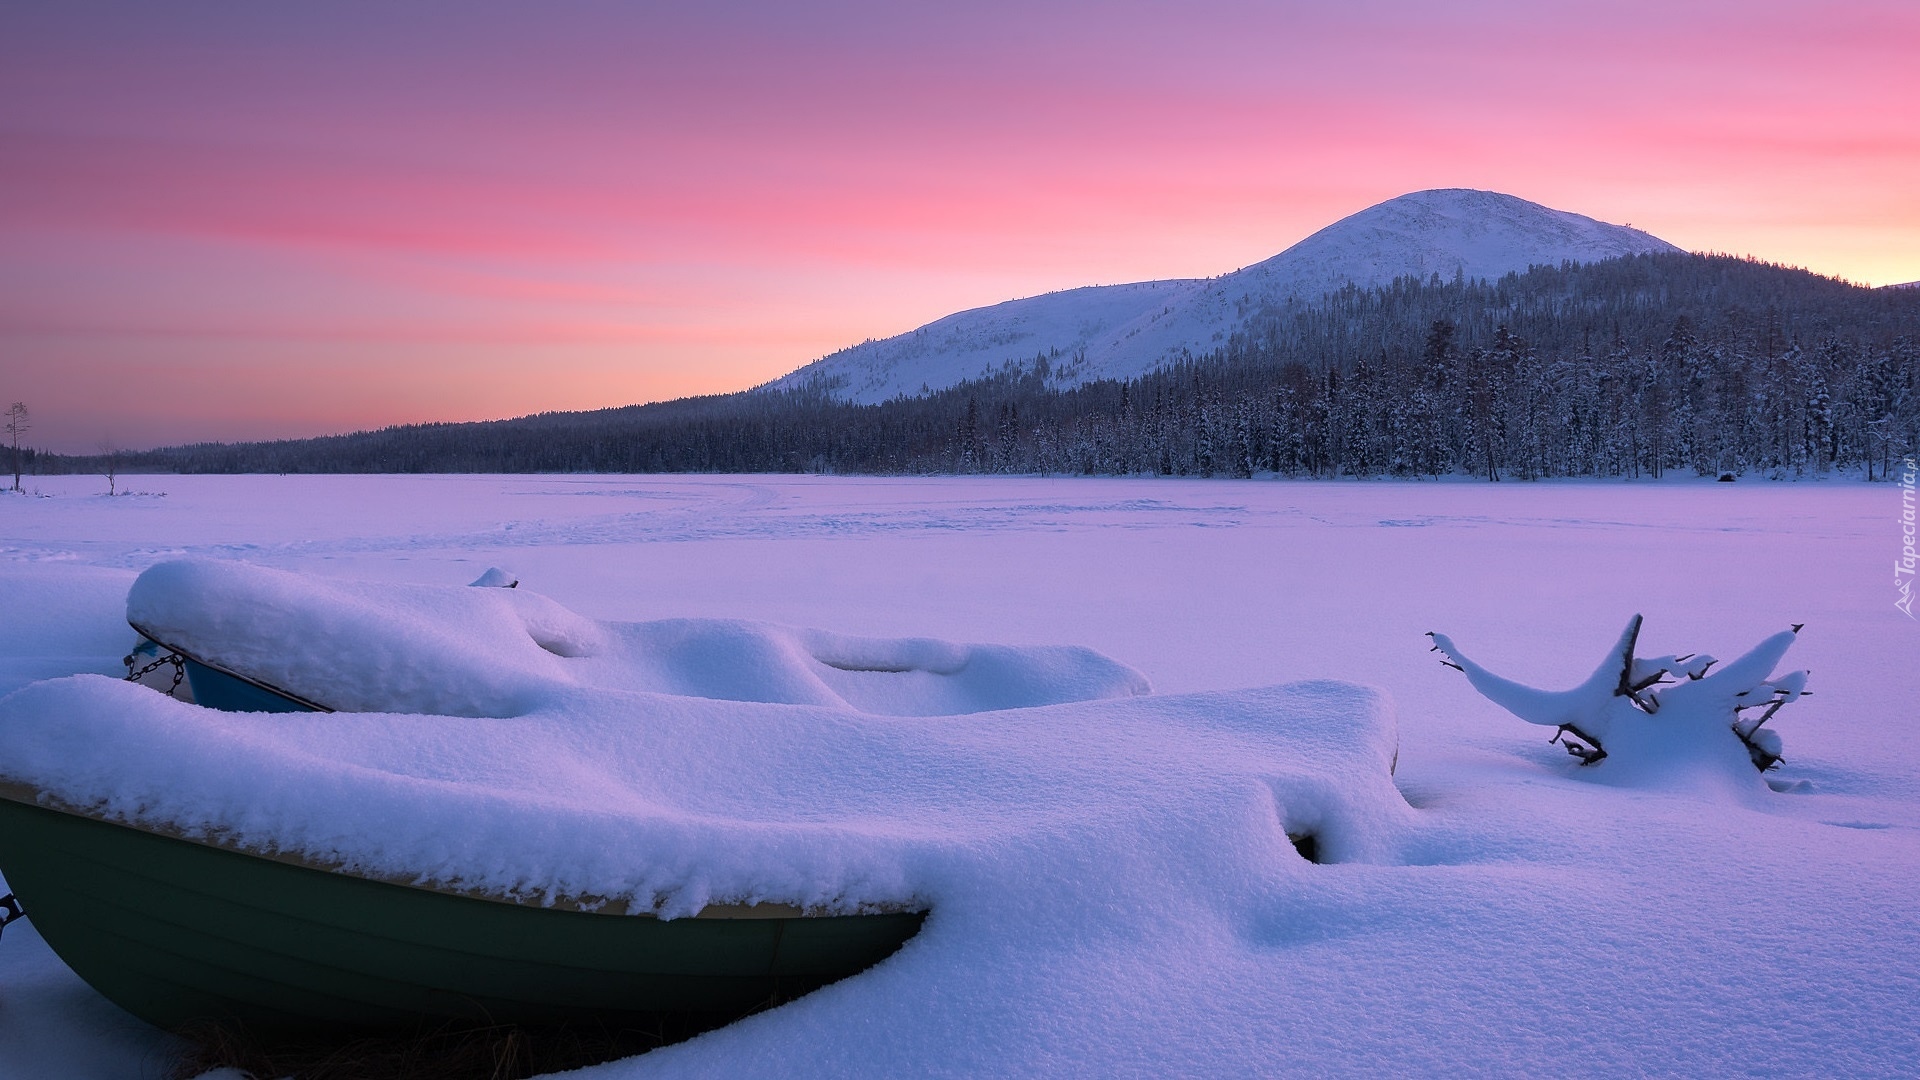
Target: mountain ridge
{"x":1122,"y":331}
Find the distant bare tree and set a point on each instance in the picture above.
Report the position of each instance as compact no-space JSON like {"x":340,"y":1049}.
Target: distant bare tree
{"x":109,"y":463}
{"x":16,"y":423}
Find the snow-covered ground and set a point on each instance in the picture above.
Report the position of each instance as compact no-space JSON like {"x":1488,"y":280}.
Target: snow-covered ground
{"x":1518,"y":917}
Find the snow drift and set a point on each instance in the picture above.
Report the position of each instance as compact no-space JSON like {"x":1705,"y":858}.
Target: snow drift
{"x":557,"y":769}
{"x":666,"y":804}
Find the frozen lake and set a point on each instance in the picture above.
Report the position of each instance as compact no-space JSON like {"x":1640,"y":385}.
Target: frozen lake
{"x":1529,"y":921}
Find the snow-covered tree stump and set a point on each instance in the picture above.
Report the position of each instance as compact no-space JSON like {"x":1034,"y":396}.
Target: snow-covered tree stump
{"x":1660,"y":718}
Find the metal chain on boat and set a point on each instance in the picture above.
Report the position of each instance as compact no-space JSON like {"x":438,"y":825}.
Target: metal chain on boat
{"x":179,"y":669}
{"x":9,"y":912}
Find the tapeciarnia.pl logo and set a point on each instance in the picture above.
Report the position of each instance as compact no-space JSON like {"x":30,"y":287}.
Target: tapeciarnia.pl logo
{"x":1903,"y":566}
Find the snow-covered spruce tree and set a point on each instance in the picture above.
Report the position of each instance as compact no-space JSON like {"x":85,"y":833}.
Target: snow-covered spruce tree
{"x":1664,"y":721}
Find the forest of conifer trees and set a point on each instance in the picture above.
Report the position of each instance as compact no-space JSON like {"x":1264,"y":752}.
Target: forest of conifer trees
{"x":1638,"y":367}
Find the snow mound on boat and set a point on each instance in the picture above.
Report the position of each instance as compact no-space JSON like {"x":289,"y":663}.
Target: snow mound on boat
{"x":667,"y":803}
{"x":460,"y":651}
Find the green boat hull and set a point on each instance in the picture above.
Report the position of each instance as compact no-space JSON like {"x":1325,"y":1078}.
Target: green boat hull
{"x":181,"y":933}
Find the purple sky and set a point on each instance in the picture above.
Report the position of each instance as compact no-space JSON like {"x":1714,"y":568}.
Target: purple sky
{"x":236,"y":220}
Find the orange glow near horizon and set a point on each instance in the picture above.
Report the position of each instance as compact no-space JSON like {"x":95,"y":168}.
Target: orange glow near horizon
{"x":222,"y":222}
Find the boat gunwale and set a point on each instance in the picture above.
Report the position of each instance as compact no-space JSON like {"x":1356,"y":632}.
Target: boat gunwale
{"x":218,"y":669}
{"x":24,"y":793}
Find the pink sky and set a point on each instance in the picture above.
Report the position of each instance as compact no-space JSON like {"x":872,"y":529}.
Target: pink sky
{"x":228,"y":220}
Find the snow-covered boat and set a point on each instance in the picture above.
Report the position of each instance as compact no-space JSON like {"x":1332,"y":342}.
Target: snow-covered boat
{"x":212,"y":685}
{"x":180,"y":931}
{"x":185,"y":908}
{"x":258,"y":640}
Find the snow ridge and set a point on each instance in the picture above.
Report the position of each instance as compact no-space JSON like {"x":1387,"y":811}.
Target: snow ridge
{"x":1121,"y":331}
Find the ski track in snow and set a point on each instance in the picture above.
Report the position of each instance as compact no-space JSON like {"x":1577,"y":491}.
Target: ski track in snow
{"x":1527,"y":921}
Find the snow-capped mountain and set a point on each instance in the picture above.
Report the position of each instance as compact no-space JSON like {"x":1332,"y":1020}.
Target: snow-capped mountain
{"x":1120,"y":331}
